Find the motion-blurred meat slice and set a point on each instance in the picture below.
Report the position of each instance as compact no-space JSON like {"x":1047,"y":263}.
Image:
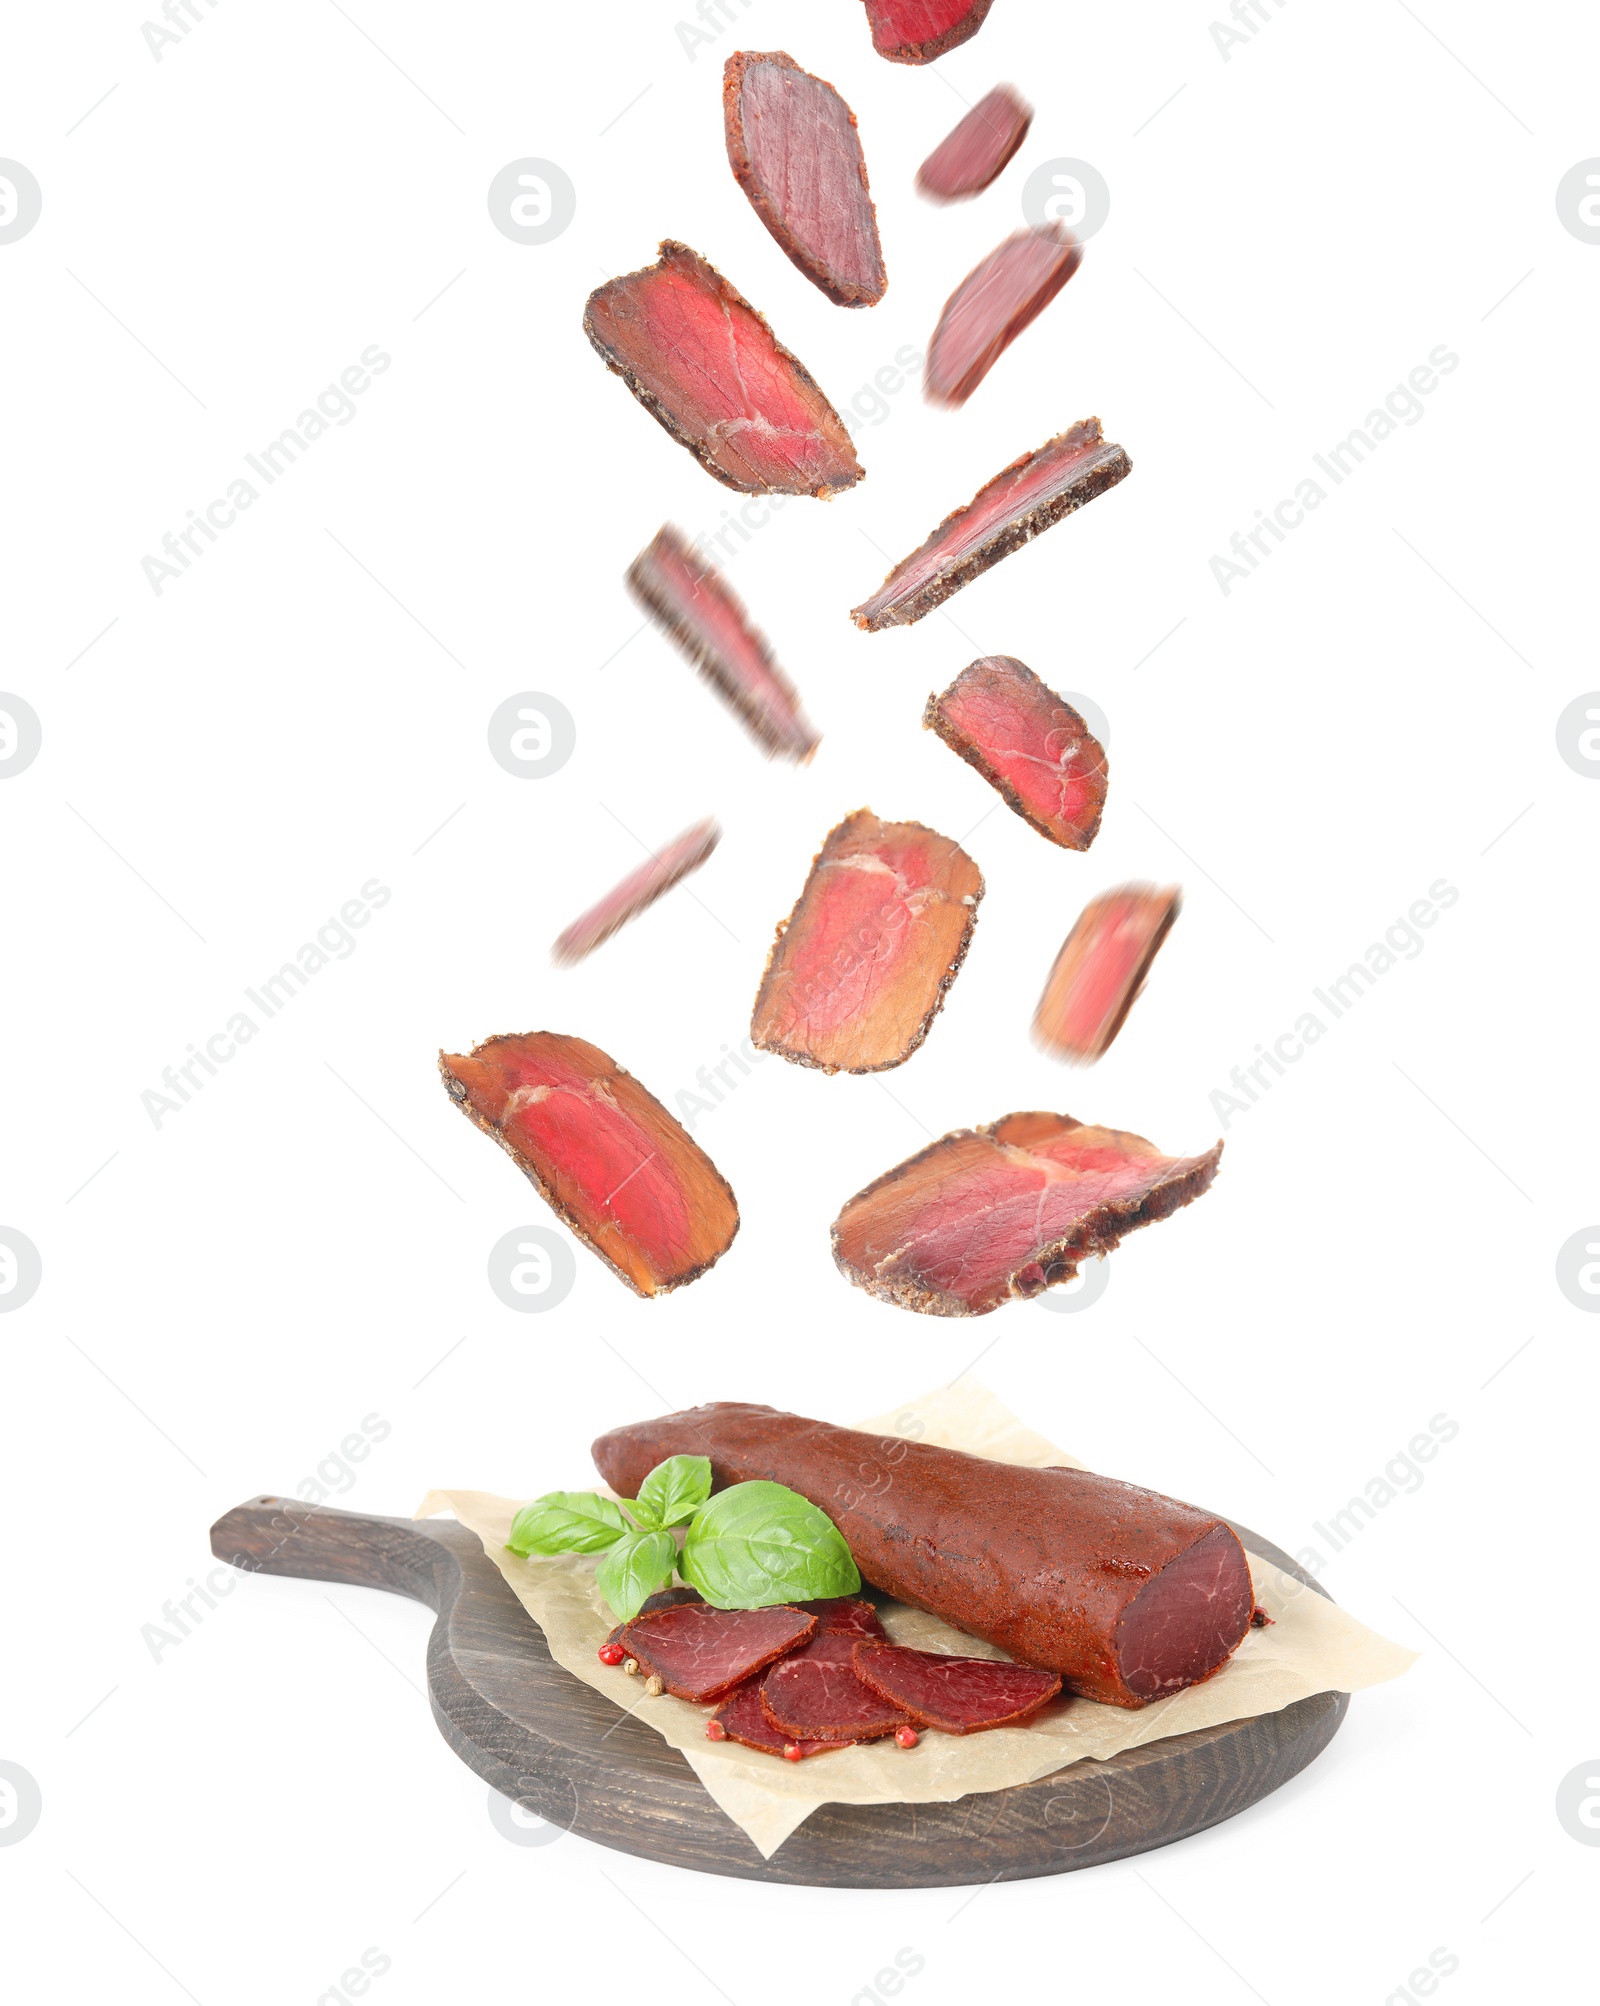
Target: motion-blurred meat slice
{"x":658,"y":874}
{"x":696,"y":607}
{"x":987,"y":1214}
{"x":975,"y":151}
{"x":992,"y":305}
{"x":859,"y":969}
{"x":1101,"y":969}
{"x":795,"y":151}
{"x":707,"y":367}
{"x":1028,"y":743}
{"x":1028,"y":496}
{"x":602,"y":1153}
{"x":920,"y":31}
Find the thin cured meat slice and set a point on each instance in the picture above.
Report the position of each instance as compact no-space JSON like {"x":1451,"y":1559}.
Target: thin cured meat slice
{"x":701,"y":1654}
{"x":819,"y":1697}
{"x":955,"y":1695}
{"x":664,"y":1598}
{"x":1127,"y":1594}
{"x":975,"y":151}
{"x":920,"y":31}
{"x":1102,"y":968}
{"x":1029,"y":744}
{"x":859,"y":969}
{"x":640,"y":888}
{"x":707,"y":367}
{"x":698,"y":610}
{"x":1028,"y":496}
{"x":795,"y":151}
{"x":997,"y":299}
{"x":844,"y":1616}
{"x":741,"y":1719}
{"x":988,"y":1214}
{"x":603,"y":1153}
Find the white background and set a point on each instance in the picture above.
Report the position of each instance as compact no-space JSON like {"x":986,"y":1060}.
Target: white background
{"x":1292,"y":231}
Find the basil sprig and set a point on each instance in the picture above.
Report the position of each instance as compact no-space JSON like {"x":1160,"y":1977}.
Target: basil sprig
{"x":753,"y":1545}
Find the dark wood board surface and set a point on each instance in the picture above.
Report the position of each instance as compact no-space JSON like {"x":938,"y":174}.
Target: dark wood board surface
{"x":544,"y":1738}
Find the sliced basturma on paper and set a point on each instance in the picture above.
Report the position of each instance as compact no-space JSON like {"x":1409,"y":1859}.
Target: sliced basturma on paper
{"x":795,"y":151}
{"x":816,"y":1695}
{"x":920,"y":31}
{"x":694,"y":605}
{"x":1029,"y":744}
{"x":700,"y":1653}
{"x":1102,"y":968}
{"x":740,"y":1718}
{"x":658,"y":874}
{"x":859,"y":969}
{"x":1028,"y":496}
{"x":997,"y":299}
{"x":955,"y":1695}
{"x":975,"y":151}
{"x":987,"y":1214}
{"x":603,"y":1154}
{"x":707,"y":367}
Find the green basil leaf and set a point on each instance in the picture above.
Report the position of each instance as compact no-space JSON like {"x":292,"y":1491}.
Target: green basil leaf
{"x":634,"y":1569}
{"x":567,"y":1522}
{"x":674,"y":1491}
{"x":761,"y":1543}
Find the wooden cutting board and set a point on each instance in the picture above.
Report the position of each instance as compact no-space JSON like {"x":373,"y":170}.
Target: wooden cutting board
{"x":563,"y":1751}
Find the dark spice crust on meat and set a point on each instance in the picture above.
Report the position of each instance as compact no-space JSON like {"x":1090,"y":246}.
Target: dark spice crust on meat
{"x":842,"y":294}
{"x":669,"y":249}
{"x":457,"y":1091}
{"x":1096,"y":1233}
{"x":934,"y":719}
{"x":939,"y":45}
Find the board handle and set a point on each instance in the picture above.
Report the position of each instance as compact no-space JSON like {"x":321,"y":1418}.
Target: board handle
{"x":277,"y":1535}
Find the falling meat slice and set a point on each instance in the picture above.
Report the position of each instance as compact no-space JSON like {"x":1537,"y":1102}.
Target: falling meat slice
{"x":1009,"y":511}
{"x":700,"y":1653}
{"x":986,"y":1214}
{"x":705,"y":365}
{"x":920,"y":31}
{"x":818,"y":1696}
{"x":694,"y":606}
{"x":637,"y":890}
{"x":973,"y":154}
{"x":1029,"y":744}
{"x":602,"y":1153}
{"x":859,"y":969}
{"x":992,"y":305}
{"x":955,"y":1695}
{"x":741,"y":1719}
{"x":1101,"y":969}
{"x":795,"y":151}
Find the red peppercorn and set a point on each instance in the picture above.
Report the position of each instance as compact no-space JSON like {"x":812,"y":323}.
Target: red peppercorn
{"x":906,"y":1736}
{"x":611,"y":1654}
{"x":791,"y":1751}
{"x":715,"y":1731}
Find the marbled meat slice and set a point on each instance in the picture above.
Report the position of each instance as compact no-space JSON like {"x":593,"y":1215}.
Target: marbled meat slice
{"x":640,"y":888}
{"x":859,"y":969}
{"x":700,"y":1653}
{"x":988,"y":1214}
{"x":741,"y":1719}
{"x":795,"y":151}
{"x":698,"y":610}
{"x":920,"y":31}
{"x":992,"y":305}
{"x":707,"y":367}
{"x":1101,"y":969}
{"x":955,"y":1695}
{"x":844,"y":1616}
{"x":975,"y":151}
{"x":603,"y":1153}
{"x":819,"y":1697}
{"x":1029,"y":744}
{"x":664,"y":1598}
{"x":1127,"y":1594}
{"x":1028,"y":496}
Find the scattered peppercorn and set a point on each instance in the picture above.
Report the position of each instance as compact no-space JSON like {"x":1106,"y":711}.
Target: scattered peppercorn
{"x":654,"y":1687}
{"x":791,"y":1751}
{"x":630,"y":1666}
{"x":906,"y":1736}
{"x":715,"y":1731}
{"x":611,"y":1654}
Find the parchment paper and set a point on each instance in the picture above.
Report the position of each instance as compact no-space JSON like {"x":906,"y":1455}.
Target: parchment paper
{"x":1310,"y":1647}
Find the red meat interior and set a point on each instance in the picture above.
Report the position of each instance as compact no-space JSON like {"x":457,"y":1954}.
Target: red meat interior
{"x":1185,"y":1620}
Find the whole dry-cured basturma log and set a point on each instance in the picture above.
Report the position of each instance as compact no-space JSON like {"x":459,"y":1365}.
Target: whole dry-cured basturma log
{"x":955,"y":1695}
{"x":1029,"y":744}
{"x":696,"y":608}
{"x":987,"y":1214}
{"x":700,"y":1653}
{"x":974,"y":152}
{"x":1127,"y":1594}
{"x":707,"y":367}
{"x":859,"y":969}
{"x":1028,"y":496}
{"x":919,"y":31}
{"x":997,"y":299}
{"x":663,"y":869}
{"x":602,"y":1153}
{"x":1101,"y":969}
{"x":795,"y":151}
